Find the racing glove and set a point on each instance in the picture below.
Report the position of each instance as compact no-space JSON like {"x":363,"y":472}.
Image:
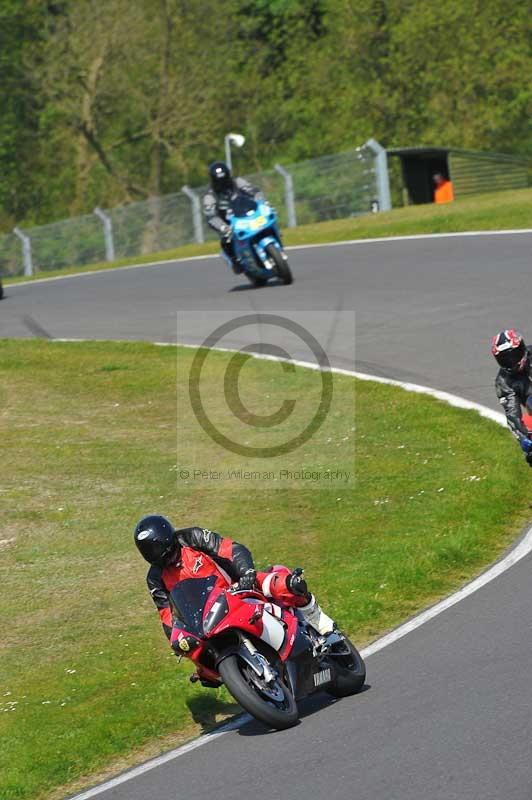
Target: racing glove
{"x":226,"y":232}
{"x":526,"y":444}
{"x":247,"y":580}
{"x":296,"y":583}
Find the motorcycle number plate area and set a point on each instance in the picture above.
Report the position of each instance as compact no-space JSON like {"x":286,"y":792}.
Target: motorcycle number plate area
{"x":272,"y":630}
{"x":324,"y":676}
{"x":257,"y":223}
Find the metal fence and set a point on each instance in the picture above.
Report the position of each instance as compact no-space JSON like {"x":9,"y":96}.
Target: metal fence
{"x":343,"y":185}
{"x":473,"y":173}
{"x":332,"y":187}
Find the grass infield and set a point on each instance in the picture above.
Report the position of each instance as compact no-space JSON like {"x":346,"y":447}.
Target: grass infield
{"x":88,"y":440}
{"x":498,"y":211}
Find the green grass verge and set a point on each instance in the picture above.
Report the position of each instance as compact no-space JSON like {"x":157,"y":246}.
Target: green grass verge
{"x":88,"y":443}
{"x":497,"y":211}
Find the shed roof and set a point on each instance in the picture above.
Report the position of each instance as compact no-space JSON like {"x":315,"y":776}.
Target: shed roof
{"x":441,"y":152}
{"x":419,"y":151}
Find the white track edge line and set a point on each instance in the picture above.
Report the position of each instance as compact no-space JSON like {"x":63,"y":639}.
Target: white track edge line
{"x":164,"y":758}
{"x":164,"y":262}
{"x":522,"y":549}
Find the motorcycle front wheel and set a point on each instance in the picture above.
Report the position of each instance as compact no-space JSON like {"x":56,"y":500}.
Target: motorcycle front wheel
{"x":350,"y":669}
{"x":281,"y":264}
{"x":271,"y":703}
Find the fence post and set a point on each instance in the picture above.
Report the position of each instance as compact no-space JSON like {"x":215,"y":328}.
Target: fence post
{"x":288,"y":196}
{"x":26,"y":251}
{"x":196,"y":213}
{"x":383,"y":180}
{"x":107,"y":232}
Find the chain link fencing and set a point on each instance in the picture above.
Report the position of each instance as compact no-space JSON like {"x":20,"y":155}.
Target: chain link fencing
{"x":331,"y":187}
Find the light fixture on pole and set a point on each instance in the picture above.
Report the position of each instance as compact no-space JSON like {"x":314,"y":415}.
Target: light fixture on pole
{"x":232,"y":138}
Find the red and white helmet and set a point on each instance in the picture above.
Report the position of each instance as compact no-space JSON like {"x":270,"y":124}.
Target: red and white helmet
{"x":510,"y":351}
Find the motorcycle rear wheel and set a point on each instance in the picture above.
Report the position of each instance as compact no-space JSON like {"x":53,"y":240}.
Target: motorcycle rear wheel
{"x":275,"y":705}
{"x":281,"y":265}
{"x":351,"y":672}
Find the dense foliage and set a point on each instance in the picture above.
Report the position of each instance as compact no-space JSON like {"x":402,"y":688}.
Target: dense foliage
{"x":104,"y":103}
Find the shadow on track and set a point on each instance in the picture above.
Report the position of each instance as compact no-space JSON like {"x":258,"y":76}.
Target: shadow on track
{"x":311,"y":705}
{"x":205,"y":708}
{"x":307,"y":707}
{"x":246,"y":287}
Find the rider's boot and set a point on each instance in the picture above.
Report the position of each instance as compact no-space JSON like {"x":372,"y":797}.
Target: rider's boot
{"x":237,"y":266}
{"x":316,"y":617}
{"x":207,"y":682}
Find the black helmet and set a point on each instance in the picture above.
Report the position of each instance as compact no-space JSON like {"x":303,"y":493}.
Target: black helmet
{"x":510,"y":351}
{"x":156,"y":539}
{"x":220,"y":177}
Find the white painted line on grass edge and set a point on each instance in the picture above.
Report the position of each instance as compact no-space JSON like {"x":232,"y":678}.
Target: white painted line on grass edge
{"x":409,"y":238}
{"x":107,"y":270}
{"x":157,"y":762}
{"x":522,"y":549}
{"x":376,"y":240}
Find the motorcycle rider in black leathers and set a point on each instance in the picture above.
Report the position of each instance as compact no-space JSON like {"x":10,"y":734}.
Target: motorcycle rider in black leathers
{"x":217,"y":202}
{"x":161,"y":545}
{"x":513,"y":383}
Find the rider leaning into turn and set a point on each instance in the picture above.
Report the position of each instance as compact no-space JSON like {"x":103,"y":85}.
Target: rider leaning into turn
{"x":513,"y":383}
{"x":162,"y":546}
{"x":217,"y":201}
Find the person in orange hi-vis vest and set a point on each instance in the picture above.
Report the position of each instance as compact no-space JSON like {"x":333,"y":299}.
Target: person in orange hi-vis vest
{"x":443,"y":193}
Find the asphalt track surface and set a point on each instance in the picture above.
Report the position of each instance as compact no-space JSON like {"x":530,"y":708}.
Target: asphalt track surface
{"x":447,"y":711}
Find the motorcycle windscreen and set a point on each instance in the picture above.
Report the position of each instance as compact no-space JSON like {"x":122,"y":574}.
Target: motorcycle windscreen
{"x":188,"y":599}
{"x":242,"y":205}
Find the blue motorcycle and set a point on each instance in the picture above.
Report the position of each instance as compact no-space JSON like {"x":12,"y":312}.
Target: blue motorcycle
{"x":256,"y":240}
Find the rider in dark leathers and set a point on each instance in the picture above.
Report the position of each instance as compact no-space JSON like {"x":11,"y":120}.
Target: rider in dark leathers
{"x":513,"y":383}
{"x":161,"y":545}
{"x":217,"y":202}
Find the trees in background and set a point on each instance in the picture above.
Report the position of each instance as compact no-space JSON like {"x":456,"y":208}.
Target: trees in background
{"x":20,"y":28}
{"x":105,"y":103}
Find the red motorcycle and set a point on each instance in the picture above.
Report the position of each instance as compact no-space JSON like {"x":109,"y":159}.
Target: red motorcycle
{"x":268,"y":657}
